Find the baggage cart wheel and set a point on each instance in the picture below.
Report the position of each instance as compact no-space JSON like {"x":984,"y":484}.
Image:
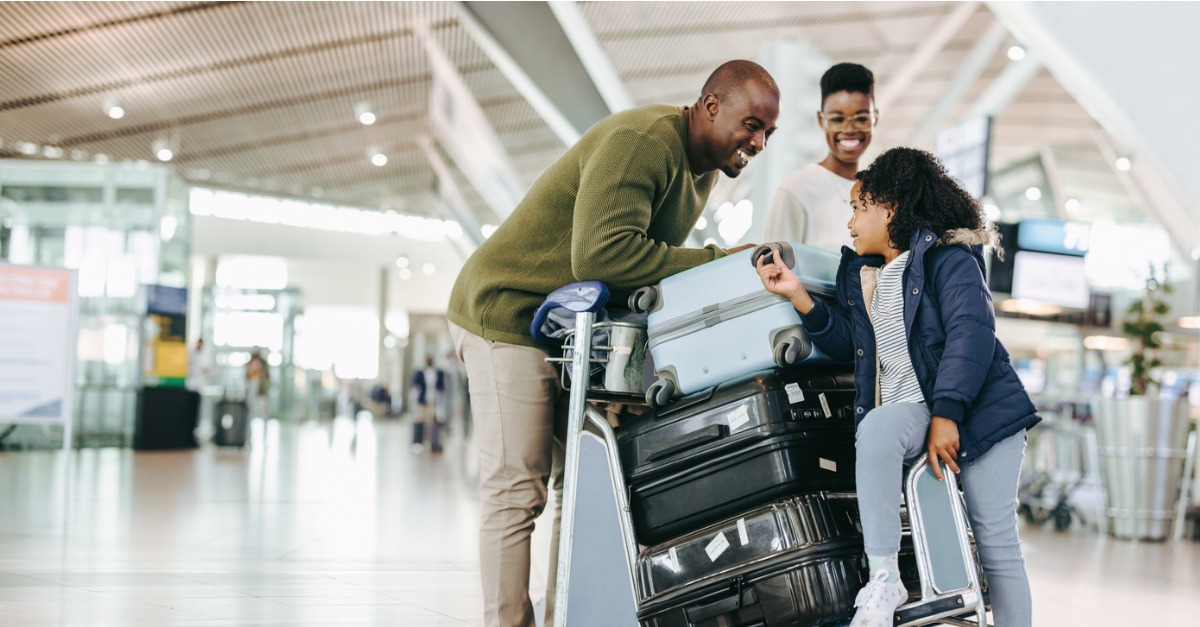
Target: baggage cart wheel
{"x":799,"y":348}
{"x":659,"y":393}
{"x":644,"y":299}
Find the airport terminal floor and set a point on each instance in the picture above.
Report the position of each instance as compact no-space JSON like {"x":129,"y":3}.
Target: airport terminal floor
{"x":341,"y":523}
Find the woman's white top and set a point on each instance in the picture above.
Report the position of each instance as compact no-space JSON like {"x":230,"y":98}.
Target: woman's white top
{"x":811,"y":207}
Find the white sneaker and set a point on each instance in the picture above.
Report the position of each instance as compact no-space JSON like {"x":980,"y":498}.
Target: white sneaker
{"x":877,"y":601}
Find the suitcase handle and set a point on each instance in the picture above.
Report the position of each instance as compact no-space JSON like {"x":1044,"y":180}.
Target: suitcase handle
{"x":787,"y":254}
{"x":735,"y":601}
{"x":691,"y":440}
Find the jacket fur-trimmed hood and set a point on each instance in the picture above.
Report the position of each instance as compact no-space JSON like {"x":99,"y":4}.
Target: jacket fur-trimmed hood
{"x":971,"y":237}
{"x":975,"y":240}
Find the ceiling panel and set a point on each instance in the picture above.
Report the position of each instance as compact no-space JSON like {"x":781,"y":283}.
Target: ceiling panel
{"x":260,"y":96}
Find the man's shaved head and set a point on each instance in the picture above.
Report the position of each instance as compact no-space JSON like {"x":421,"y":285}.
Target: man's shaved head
{"x":733,"y":118}
{"x":728,"y":79}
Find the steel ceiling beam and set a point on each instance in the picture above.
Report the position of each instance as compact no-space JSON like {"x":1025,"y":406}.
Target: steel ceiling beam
{"x":549,"y":53}
{"x":592,"y":56}
{"x":926,"y":52}
{"x":460,"y":126}
{"x":453,"y":202}
{"x":977,"y":60}
{"x":1007,"y":85}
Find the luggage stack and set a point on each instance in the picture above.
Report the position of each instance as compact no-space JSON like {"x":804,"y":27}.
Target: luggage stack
{"x":742,"y":481}
{"x":748,"y":489}
{"x":709,"y":456}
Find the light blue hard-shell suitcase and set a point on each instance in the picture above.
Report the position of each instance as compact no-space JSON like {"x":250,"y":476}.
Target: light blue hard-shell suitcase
{"x":715,"y":322}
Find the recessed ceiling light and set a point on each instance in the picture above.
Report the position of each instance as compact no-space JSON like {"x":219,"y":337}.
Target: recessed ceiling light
{"x":1072,"y":205}
{"x":114,"y":108}
{"x":405,"y":274}
{"x":162,"y":150}
{"x":365,"y":113}
{"x":428,"y":269}
{"x":1033,"y":193}
{"x":1016,"y":53}
{"x":701,"y":224}
{"x":1123,"y":164}
{"x":402,"y":262}
{"x":379,"y":159}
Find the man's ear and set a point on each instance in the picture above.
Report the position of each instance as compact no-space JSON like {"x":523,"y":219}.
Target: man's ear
{"x":711,"y":106}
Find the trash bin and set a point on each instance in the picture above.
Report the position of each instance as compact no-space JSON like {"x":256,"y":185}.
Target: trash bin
{"x":1143,"y":447}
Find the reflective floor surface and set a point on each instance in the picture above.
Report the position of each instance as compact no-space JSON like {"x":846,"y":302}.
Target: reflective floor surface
{"x":342,"y":524}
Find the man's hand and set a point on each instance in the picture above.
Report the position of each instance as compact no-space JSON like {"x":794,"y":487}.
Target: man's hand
{"x":741,"y":248}
{"x":943,"y":445}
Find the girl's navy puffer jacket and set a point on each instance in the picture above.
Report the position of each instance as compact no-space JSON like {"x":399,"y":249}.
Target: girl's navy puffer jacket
{"x":965,"y":373}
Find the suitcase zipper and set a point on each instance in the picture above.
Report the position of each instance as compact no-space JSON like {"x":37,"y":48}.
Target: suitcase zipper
{"x":712,"y":315}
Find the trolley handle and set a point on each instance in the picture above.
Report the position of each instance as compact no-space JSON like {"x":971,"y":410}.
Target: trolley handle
{"x":580,"y":297}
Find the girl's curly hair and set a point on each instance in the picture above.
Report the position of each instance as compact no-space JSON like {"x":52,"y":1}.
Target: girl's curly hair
{"x":922,"y":194}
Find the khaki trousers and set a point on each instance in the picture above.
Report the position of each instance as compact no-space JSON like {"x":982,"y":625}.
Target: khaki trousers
{"x":517,"y":403}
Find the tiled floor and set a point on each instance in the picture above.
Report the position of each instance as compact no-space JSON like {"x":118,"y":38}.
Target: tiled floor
{"x":341,"y":524}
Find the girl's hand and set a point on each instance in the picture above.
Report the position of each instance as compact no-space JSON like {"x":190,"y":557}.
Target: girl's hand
{"x":943,"y":445}
{"x":779,"y":279}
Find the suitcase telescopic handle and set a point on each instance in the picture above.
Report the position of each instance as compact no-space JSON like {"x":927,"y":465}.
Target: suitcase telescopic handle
{"x":692,"y":440}
{"x":786,"y":253}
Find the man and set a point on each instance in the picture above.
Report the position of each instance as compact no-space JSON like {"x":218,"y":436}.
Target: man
{"x":428,"y":384}
{"x":615,"y":208}
{"x":199,"y":367}
{"x":812,"y":206}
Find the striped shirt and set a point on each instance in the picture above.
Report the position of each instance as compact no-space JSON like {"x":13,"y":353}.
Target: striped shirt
{"x":897,"y":380}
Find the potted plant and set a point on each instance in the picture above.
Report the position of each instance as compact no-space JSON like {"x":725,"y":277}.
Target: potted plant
{"x":1143,"y":326}
{"x":1143,"y":436}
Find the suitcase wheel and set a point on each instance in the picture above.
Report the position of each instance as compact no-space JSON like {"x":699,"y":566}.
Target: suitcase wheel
{"x":791,"y":351}
{"x":643,"y":300}
{"x":659,"y":393}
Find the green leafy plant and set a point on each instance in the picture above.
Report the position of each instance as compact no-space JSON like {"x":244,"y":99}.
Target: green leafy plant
{"x":1143,"y":325}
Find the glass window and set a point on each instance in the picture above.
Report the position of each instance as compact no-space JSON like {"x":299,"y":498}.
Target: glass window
{"x":135,"y":196}
{"x":43,"y":193}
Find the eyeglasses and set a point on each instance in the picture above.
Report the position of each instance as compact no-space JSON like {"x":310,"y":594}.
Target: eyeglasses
{"x":838,"y":122}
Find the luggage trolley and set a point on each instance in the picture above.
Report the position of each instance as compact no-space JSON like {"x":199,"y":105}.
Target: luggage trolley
{"x":585,"y":299}
{"x":951,"y":588}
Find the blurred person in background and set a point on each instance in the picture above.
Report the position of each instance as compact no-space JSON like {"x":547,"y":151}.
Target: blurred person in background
{"x":616,"y":207}
{"x":381,"y":400}
{"x":258,"y":383}
{"x":812,"y":206}
{"x":428,"y":384}
{"x":199,"y":367}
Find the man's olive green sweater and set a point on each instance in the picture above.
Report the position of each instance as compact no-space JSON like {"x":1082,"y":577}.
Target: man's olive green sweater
{"x":615,"y":208}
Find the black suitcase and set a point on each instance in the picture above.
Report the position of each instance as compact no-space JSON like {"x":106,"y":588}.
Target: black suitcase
{"x":434,"y":431}
{"x":230,"y":423}
{"x":711,"y":455}
{"x":795,"y":562}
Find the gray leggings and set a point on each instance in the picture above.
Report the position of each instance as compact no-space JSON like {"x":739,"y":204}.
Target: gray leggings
{"x":892,"y":434}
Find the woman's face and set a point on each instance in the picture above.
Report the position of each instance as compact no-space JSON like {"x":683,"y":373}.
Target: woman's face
{"x":869,"y":224}
{"x":848,"y":120}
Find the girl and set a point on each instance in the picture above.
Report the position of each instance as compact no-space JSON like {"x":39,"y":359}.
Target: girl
{"x":915,"y":314}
